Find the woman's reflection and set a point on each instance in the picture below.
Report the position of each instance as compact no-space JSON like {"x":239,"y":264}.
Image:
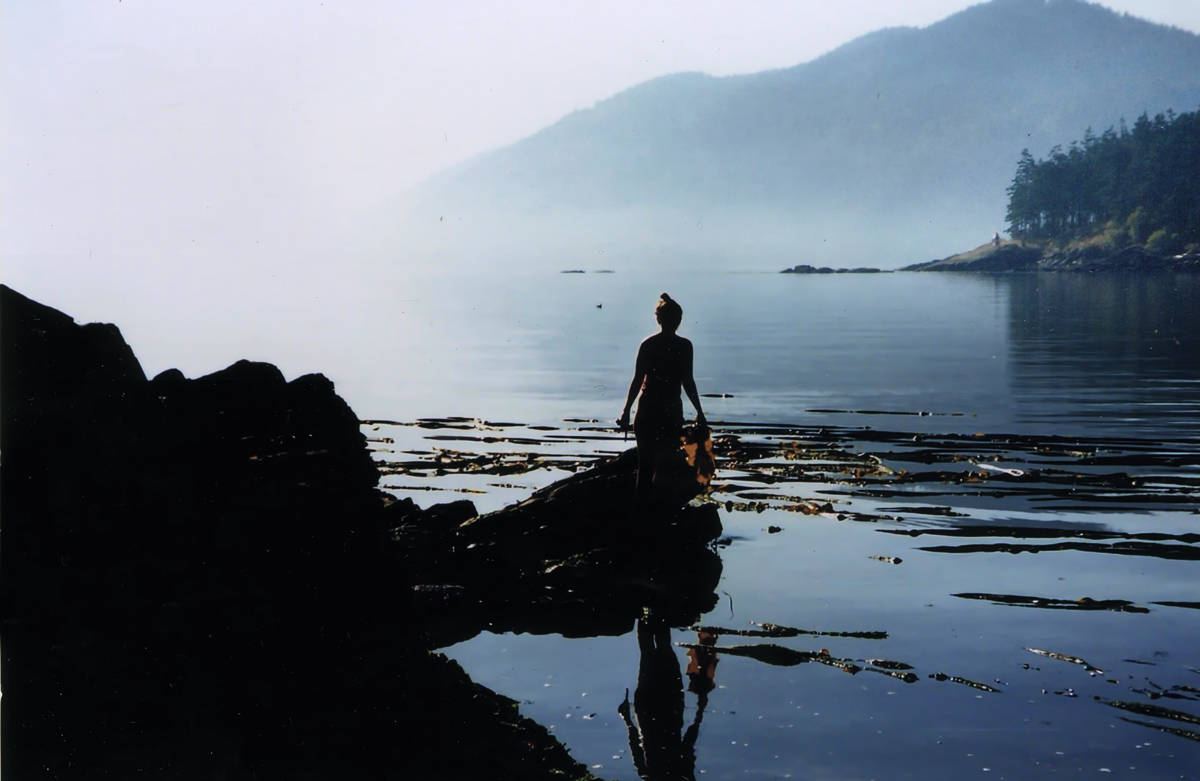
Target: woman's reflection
{"x":660,"y":747}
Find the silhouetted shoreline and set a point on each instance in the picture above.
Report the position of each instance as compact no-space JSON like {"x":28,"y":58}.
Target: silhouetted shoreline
{"x":1021,"y":257}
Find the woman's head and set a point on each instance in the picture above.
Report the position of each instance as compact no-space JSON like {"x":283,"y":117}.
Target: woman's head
{"x":668,"y":313}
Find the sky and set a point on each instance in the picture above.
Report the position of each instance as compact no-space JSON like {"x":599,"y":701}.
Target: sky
{"x":249,"y":130}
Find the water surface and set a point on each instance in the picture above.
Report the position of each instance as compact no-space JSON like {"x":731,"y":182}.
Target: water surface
{"x":1054,"y":421}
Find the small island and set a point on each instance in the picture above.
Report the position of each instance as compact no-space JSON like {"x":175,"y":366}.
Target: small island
{"x":806,"y":269}
{"x":1124,"y":201}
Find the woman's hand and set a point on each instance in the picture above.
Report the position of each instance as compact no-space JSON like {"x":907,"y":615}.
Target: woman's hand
{"x":623,"y":421}
{"x":701,"y":419}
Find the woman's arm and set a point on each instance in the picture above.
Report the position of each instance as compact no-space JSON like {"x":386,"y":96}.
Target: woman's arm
{"x":689,"y":382}
{"x":635,"y":387}
{"x":635,"y":738}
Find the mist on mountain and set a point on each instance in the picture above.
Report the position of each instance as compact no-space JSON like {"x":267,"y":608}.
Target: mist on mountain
{"x":894,"y":148}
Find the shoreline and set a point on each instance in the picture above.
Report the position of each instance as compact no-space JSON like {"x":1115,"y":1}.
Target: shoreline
{"x":1018,"y":257}
{"x":1013,"y":256}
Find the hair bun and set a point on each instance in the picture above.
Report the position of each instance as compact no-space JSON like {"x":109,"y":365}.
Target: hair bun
{"x":664,"y":297}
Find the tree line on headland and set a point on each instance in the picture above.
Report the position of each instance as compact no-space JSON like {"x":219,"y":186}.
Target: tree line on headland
{"x":1124,"y":187}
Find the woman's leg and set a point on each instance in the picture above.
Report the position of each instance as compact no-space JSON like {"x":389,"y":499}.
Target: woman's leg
{"x":646,"y":464}
{"x":657,"y":436}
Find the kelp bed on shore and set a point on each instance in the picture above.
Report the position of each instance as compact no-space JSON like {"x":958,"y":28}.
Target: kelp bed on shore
{"x":851,"y":474}
{"x":964,"y":493}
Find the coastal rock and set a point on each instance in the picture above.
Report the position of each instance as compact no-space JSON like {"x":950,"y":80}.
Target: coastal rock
{"x":806,"y":269}
{"x":991,"y":258}
{"x":79,"y":390}
{"x":1134,"y":259}
{"x":247,"y":425}
{"x":201,"y":575}
{"x":189,"y":556}
{"x":1011,"y":256}
{"x":580,"y":557}
{"x":443,"y":517}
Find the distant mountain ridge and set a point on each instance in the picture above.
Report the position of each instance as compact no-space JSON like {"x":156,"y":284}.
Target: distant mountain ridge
{"x":893,"y":148}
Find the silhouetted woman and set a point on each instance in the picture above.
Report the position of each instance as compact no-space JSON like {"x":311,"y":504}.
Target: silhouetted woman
{"x":664,"y":365}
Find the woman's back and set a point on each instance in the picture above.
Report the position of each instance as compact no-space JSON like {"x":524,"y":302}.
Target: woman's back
{"x":665,"y":361}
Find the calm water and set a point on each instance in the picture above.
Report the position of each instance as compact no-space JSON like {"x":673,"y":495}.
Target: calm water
{"x":1108,"y":359}
{"x":1112,"y":360}
{"x":1082,"y":354}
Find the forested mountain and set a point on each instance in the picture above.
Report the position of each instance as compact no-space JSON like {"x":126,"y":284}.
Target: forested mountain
{"x":1139,"y":186}
{"x":896,"y":147}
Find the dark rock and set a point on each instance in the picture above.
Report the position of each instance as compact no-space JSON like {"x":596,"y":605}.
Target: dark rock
{"x":168,"y":378}
{"x":196,"y":579}
{"x":439,"y":517}
{"x":580,"y":557}
{"x":1135,"y":259}
{"x":190,"y":537}
{"x":51,"y":363}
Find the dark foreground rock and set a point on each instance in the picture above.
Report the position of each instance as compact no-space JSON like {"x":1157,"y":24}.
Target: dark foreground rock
{"x":1012,"y":256}
{"x":199,"y":582}
{"x":578,"y":558}
{"x":201,"y":579}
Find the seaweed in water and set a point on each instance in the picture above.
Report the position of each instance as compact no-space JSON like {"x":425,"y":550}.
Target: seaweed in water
{"x":1176,"y":731}
{"x":1065,"y":658}
{"x":907,"y":677}
{"x":1083,"y":603}
{"x":1154,"y":711}
{"x":779,"y":656}
{"x":983,"y":687}
{"x":774,"y":630}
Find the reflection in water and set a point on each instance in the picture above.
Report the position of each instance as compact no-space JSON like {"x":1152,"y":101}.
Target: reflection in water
{"x":660,"y":747}
{"x":1114,"y":347}
{"x":921,"y":487}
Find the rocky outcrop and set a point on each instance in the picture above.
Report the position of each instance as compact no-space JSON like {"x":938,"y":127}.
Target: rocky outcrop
{"x":991,"y":258}
{"x":1011,"y":256}
{"x":196,"y":580}
{"x":580,"y":557}
{"x":76,"y":394}
{"x":1135,"y":259}
{"x":200,"y":576}
{"x":806,"y":269}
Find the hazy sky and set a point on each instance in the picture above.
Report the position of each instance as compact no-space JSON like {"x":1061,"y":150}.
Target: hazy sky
{"x":252,"y":129}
